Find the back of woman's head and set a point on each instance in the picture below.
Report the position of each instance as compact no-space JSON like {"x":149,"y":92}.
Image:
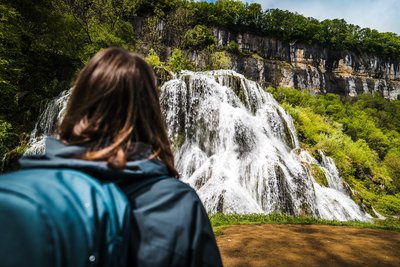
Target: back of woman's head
{"x":114,"y":104}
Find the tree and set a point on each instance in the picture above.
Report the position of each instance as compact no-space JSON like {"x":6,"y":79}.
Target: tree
{"x":101,"y":22}
{"x":230,"y":13}
{"x":147,"y":8}
{"x":12,"y":61}
{"x":149,"y":35}
{"x":198,"y":38}
{"x":177,"y":23}
{"x":252,"y":16}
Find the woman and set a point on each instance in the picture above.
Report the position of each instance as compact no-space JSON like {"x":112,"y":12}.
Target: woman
{"x":113,"y":128}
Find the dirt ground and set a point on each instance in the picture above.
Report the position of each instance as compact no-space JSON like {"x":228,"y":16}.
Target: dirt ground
{"x":308,"y":245}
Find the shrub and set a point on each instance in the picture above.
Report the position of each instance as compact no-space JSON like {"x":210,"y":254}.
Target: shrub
{"x":220,"y":60}
{"x":392,"y":162}
{"x":178,"y":61}
{"x":5,"y":136}
{"x":153,"y":59}
{"x":233,"y":47}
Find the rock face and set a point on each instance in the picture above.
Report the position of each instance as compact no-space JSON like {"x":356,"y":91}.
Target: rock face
{"x":312,"y":67}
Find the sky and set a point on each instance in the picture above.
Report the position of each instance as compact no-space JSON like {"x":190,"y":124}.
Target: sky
{"x":382,"y":15}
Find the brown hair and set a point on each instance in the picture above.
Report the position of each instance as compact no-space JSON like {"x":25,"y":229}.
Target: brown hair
{"x":115,"y":103}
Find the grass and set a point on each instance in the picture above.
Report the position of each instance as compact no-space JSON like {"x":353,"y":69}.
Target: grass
{"x":221,"y":221}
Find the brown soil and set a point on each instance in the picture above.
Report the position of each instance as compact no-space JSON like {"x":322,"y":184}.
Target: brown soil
{"x":308,"y":245}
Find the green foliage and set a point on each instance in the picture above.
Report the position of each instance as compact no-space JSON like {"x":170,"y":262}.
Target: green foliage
{"x":10,"y":39}
{"x":233,"y":47}
{"x":5,"y":136}
{"x":149,"y":35}
{"x":319,"y":175}
{"x":389,"y":223}
{"x":230,"y":12}
{"x":178,"y":22}
{"x":198,"y":38}
{"x":153,"y":59}
{"x":178,"y":61}
{"x":42,"y":46}
{"x":160,"y":7}
{"x":256,"y":56}
{"x":220,"y":60}
{"x":388,"y":204}
{"x":102,"y":36}
{"x":11,"y":32}
{"x":11,"y":145}
{"x":392,"y":163}
{"x":356,"y":134}
{"x":98,"y":24}
{"x":336,"y":34}
{"x":10,"y":158}
{"x":220,"y":221}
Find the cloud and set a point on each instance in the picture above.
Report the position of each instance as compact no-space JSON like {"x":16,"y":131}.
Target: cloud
{"x":382,"y":15}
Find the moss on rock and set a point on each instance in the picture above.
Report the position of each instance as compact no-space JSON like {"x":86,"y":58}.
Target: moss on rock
{"x":319,"y":175}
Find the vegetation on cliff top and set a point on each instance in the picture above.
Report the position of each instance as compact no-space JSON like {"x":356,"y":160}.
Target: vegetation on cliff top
{"x":239,"y":17}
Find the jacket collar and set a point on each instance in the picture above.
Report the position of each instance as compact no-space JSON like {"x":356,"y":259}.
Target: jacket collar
{"x":59,"y":155}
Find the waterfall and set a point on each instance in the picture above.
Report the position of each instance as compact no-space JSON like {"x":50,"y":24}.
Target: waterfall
{"x":333,"y":200}
{"x":238,"y":148}
{"x":331,"y":173}
{"x":47,"y":123}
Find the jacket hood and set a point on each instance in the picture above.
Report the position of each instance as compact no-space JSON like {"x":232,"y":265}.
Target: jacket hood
{"x":59,"y":155}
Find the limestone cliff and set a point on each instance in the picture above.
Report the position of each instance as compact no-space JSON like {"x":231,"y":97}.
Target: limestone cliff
{"x":310,"y":66}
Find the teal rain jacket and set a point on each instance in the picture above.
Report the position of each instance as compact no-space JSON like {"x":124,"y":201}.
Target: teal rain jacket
{"x":170,"y":226}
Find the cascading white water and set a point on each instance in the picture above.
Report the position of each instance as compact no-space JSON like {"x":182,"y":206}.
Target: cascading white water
{"x":331,"y":173}
{"x":237,"y":147}
{"x":333,"y":201}
{"x":47,"y":123}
